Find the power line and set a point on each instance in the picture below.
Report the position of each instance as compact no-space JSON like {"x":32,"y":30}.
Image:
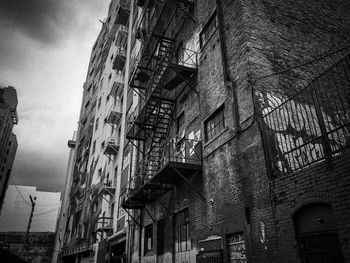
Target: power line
{"x":21,"y":195}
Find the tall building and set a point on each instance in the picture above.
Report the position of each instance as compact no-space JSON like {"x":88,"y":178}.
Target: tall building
{"x":8,"y":140}
{"x":62,"y":219}
{"x":233,"y":135}
{"x":241,"y":132}
{"x":94,"y":217}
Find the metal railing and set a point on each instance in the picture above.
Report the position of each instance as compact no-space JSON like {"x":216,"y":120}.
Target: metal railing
{"x":306,"y":120}
{"x":176,"y":150}
{"x":187,"y":58}
{"x":108,"y":183}
{"x":104,"y":222}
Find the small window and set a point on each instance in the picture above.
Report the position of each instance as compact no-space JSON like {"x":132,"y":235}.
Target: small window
{"x":96,"y":124}
{"x":208,"y":30}
{"x":93,"y":147}
{"x":215,"y":124}
{"x":89,"y":88}
{"x":180,"y":123}
{"x":148,"y":238}
{"x":92,"y":71}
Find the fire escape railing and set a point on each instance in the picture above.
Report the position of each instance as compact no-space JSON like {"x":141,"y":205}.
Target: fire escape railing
{"x":175,"y":151}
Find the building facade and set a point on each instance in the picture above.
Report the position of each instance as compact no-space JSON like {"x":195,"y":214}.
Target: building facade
{"x":241,"y":132}
{"x":95,"y":225}
{"x":62,"y":219}
{"x":35,"y":247}
{"x":230,"y":135}
{"x":8,"y":140}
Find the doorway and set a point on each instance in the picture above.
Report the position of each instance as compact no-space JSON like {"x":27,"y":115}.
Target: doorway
{"x":317,"y":235}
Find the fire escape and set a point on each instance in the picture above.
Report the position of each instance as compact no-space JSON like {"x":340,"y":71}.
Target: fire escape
{"x":162,"y":69}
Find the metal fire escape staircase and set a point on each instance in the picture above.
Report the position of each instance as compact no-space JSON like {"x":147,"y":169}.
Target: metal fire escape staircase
{"x":151,"y":80}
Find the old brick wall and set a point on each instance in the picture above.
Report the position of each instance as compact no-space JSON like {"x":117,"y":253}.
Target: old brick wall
{"x":281,"y":34}
{"x":316,"y":184}
{"x":262,"y":37}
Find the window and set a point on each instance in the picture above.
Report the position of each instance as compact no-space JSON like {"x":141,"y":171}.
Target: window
{"x":182,"y":236}
{"x":96,"y":124}
{"x":148,"y":245}
{"x":236,"y":248}
{"x":93,"y":146}
{"x":208,"y":30}
{"x":215,"y":124}
{"x":180,"y":123}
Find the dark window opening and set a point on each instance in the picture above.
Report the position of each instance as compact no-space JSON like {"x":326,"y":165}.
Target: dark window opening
{"x":148,"y":241}
{"x":317,"y":236}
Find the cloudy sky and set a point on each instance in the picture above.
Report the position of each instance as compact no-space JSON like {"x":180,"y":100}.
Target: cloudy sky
{"x":44,"y":51}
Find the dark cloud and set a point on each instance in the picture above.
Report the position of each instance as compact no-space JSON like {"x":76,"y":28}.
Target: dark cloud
{"x":42,"y":20}
{"x":45,"y":43}
{"x":43,"y":171}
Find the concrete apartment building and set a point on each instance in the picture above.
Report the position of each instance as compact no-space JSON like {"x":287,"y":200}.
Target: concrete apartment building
{"x":94,"y":221}
{"x":8,"y":140}
{"x":236,"y":115}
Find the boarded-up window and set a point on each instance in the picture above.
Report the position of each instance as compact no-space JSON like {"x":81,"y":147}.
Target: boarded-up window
{"x":236,"y":247}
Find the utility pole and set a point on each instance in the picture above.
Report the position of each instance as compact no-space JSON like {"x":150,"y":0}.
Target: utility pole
{"x":32,"y":200}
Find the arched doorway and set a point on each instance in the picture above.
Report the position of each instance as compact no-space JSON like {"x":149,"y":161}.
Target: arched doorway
{"x":317,"y":235}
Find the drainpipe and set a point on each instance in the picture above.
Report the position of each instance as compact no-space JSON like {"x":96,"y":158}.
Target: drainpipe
{"x":227,"y":79}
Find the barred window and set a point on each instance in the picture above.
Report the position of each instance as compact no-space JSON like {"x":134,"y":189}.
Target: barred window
{"x":215,"y":124}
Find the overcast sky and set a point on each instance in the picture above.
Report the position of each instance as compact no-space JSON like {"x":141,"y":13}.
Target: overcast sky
{"x":44,"y":52}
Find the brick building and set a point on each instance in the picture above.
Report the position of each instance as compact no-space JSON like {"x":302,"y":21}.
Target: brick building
{"x":232,"y":131}
{"x":241,"y":133}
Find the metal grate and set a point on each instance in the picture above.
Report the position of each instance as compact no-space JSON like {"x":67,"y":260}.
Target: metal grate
{"x":305,"y":113}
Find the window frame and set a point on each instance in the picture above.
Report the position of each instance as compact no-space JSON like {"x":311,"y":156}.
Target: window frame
{"x":208,"y":30}
{"x":148,"y":236}
{"x":217,"y":118}
{"x":179,"y":227}
{"x":180,"y":126}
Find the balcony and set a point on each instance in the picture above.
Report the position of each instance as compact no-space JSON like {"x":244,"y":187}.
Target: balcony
{"x":122,"y":36}
{"x":114,"y":117}
{"x":120,"y":59}
{"x":112,"y":146}
{"x":104,"y":224}
{"x":107,"y":187}
{"x":117,"y":88}
{"x":123,"y":12}
{"x":171,"y":163}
